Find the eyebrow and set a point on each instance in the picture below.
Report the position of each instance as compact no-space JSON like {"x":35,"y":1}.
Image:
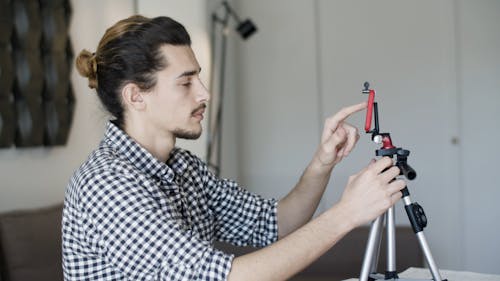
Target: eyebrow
{"x":189,"y":73}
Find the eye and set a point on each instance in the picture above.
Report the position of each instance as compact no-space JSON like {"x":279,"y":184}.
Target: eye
{"x":187,"y":84}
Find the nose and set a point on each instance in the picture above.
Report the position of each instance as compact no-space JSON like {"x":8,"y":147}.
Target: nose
{"x":203,"y":93}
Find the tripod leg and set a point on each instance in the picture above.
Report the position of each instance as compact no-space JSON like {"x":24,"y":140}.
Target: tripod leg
{"x":378,"y":241}
{"x":418,"y":222}
{"x":372,"y":245}
{"x":428,"y":256}
{"x":390,"y":272}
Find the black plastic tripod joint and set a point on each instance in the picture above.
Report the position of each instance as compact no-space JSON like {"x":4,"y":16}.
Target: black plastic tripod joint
{"x":401,"y":160}
{"x":417,"y":217}
{"x":402,"y":164}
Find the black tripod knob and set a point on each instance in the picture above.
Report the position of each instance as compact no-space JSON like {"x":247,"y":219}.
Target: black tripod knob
{"x":420,"y":217}
{"x":417,"y":217}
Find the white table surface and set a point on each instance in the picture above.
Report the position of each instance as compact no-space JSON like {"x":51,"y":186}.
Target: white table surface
{"x":424,"y":273}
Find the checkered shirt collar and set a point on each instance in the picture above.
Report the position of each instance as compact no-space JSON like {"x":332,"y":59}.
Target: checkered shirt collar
{"x":142,"y":159}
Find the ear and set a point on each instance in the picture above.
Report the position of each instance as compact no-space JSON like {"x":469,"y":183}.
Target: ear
{"x":132,"y":97}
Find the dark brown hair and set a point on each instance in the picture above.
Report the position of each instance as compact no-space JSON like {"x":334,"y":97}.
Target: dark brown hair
{"x":128,"y":52}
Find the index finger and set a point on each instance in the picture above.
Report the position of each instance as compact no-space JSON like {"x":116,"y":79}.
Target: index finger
{"x":381,"y":164}
{"x":347,"y":111}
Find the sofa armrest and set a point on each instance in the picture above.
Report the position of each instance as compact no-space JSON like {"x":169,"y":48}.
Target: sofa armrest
{"x":30,"y":244}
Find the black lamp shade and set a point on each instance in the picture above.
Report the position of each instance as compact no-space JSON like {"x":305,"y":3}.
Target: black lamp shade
{"x":246,"y":28}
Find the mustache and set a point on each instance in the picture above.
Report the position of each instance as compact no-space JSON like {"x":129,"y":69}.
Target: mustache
{"x":202,"y":106}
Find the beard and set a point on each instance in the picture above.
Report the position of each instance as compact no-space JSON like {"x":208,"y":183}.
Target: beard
{"x":186,"y":134}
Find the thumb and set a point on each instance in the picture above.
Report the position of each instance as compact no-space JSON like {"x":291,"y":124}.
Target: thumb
{"x":338,"y":138}
{"x":370,"y":164}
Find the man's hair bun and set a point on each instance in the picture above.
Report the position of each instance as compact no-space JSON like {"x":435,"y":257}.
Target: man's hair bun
{"x":86,"y":64}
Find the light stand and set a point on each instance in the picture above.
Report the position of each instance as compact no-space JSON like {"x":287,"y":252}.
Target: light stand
{"x":414,"y":211}
{"x":245,"y":29}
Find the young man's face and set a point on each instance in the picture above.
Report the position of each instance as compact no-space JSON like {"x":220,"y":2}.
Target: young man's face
{"x":177,"y":103}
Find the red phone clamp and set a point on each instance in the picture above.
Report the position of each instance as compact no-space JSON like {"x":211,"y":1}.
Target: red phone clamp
{"x":372,"y":111}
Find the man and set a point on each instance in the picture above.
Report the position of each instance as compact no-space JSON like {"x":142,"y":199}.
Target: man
{"x":141,"y":209}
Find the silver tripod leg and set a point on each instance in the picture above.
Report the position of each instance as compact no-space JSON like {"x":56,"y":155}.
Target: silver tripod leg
{"x":372,"y":246}
{"x":425,"y":247}
{"x":391,"y":241}
{"x":370,"y":260}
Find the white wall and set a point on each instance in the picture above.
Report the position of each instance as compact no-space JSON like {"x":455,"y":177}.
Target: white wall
{"x":479,"y":84}
{"x":37,"y":177}
{"x":277,"y":95}
{"x":410,"y":63}
{"x":435,"y":66}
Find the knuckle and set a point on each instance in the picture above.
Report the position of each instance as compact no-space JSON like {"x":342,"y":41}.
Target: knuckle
{"x":387,"y":159}
{"x":400,"y":183}
{"x":395,"y":170}
{"x":388,"y":193}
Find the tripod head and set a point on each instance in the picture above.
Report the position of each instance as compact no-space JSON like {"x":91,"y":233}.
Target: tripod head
{"x":387,"y":149}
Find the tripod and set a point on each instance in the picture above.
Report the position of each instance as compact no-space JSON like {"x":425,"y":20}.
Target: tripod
{"x":414,"y":211}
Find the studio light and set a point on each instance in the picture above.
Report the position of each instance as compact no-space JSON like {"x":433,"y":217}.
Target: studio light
{"x":246,"y":28}
{"x":219,"y":28}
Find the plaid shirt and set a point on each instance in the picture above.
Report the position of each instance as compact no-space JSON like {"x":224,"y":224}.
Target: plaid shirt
{"x":128,"y":216}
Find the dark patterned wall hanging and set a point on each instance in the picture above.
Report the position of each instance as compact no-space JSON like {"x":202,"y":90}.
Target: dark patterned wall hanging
{"x":36,"y":96}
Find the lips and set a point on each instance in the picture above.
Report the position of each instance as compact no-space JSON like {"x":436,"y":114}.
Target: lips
{"x":199,"y":111}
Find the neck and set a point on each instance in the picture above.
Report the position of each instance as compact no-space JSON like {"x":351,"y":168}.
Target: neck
{"x":158,"y":144}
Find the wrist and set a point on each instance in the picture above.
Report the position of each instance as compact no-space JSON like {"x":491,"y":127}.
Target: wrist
{"x":317,"y":172}
{"x":319,"y":167}
{"x":342,"y":217}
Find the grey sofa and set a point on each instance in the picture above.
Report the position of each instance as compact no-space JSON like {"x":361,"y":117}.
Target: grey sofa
{"x":30,"y":244}
{"x":30,"y":249}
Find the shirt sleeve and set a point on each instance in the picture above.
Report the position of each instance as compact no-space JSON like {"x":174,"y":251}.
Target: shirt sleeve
{"x":143,"y":241}
{"x":242,"y":218}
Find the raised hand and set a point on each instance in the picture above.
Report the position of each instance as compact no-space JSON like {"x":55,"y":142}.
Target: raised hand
{"x":339,"y":137}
